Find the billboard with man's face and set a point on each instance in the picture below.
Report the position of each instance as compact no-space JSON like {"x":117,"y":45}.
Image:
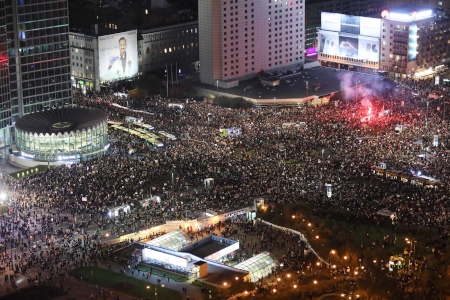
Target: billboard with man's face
{"x":118,"y":56}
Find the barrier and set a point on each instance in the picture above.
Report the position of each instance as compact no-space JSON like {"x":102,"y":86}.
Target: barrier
{"x":302,"y":237}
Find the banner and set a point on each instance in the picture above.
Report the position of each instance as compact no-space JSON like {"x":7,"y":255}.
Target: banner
{"x":351,"y":24}
{"x":118,"y":56}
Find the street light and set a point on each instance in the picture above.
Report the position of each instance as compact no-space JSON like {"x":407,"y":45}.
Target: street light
{"x":217,"y":88}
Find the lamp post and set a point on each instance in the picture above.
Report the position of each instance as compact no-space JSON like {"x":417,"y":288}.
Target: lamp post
{"x":173,"y":192}
{"x":217,"y":88}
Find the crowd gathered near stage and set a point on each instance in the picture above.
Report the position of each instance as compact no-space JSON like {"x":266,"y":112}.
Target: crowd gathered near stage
{"x":285,"y":154}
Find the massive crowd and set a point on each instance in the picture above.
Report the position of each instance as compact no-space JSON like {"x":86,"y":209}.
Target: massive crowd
{"x":330,"y":144}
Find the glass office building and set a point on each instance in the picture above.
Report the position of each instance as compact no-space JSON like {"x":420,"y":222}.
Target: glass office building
{"x":5,"y":95}
{"x":65,"y":134}
{"x":37,"y":33}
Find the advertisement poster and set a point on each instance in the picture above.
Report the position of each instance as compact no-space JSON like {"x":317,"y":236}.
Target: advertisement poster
{"x":329,"y":43}
{"x":368,"y":49}
{"x":330,"y":21}
{"x":348,"y":47}
{"x":370,"y":27}
{"x":118,"y":56}
{"x":350,"y":24}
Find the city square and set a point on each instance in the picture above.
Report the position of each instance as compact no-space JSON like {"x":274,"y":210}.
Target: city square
{"x":224,"y":149}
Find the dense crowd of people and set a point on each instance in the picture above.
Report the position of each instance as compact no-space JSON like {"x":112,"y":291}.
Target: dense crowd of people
{"x":329,"y":144}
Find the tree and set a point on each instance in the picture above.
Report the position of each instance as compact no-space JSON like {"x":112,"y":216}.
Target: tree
{"x":148,"y":85}
{"x":180,"y":91}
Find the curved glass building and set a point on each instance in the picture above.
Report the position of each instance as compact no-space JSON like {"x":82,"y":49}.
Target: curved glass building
{"x":259,"y":266}
{"x":64,"y":134}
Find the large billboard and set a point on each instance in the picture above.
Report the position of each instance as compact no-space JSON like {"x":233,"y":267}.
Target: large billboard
{"x":368,"y":49}
{"x":351,"y":24}
{"x":329,"y":43}
{"x":118,"y":56}
{"x":349,"y":45}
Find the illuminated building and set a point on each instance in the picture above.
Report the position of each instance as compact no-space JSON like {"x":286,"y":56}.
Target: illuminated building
{"x":38,"y":49}
{"x":401,"y":42}
{"x":156,"y":48}
{"x":60,"y":135}
{"x":238,"y":39}
{"x":346,"y":7}
{"x":5,"y":95}
{"x":414,"y":42}
{"x":38,"y":60}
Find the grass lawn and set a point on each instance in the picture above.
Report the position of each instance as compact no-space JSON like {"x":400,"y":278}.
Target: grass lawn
{"x":206,"y":288}
{"x":161,"y":273}
{"x":125,"y":284}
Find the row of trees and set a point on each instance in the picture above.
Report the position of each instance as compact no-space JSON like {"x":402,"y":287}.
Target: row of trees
{"x":148,"y":85}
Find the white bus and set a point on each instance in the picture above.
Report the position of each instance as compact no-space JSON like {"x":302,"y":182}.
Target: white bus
{"x":168,"y":135}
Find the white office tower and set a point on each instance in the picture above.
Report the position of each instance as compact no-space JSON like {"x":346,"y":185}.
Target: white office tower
{"x":239,"y":38}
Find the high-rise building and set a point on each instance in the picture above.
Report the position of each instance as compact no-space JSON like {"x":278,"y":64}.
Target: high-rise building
{"x":37,"y":33}
{"x":414,"y":41}
{"x":239,"y":38}
{"x":5,"y":95}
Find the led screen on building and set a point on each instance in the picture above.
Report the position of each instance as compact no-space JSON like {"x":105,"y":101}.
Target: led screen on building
{"x":412,"y":42}
{"x":351,"y":24}
{"x":329,"y":43}
{"x":118,"y":56}
{"x":368,"y":49}
{"x":349,"y":45}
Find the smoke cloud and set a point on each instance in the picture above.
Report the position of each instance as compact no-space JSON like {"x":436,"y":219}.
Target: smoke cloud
{"x":355,"y":86}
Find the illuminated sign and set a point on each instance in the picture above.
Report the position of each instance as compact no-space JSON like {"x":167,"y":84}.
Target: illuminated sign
{"x":64,"y":157}
{"x":348,"y":45}
{"x":351,"y":24}
{"x":118,"y":56}
{"x":24,"y":154}
{"x":412,"y":42}
{"x":404,"y":17}
{"x":164,"y":257}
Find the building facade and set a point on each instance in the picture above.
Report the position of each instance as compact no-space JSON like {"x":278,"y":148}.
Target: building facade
{"x":148,"y":51}
{"x":175,"y":44}
{"x":349,"y":42}
{"x":239,"y":38}
{"x":346,"y":7}
{"x":415,"y":42}
{"x":37,"y":35}
{"x":84,"y":65}
{"x":5,"y":94}
{"x":411,"y":42}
